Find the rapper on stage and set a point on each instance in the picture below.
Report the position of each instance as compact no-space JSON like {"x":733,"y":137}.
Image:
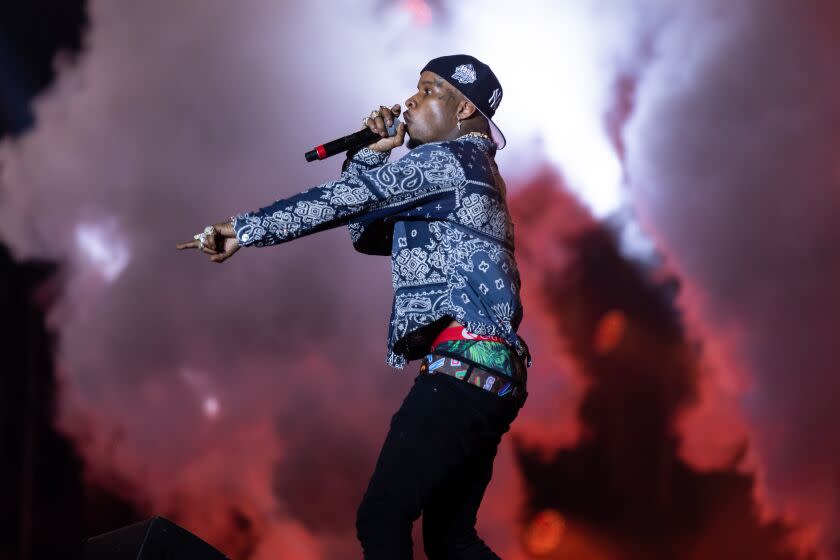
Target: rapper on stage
{"x":440,"y":213}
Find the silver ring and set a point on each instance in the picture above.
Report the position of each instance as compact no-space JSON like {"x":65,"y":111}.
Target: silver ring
{"x":373,"y":114}
{"x":202,"y":237}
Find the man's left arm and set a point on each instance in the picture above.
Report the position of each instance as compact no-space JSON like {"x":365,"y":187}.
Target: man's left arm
{"x":394,"y":186}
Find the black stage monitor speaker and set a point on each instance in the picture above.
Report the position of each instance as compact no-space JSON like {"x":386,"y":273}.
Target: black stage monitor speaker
{"x":154,"y":539}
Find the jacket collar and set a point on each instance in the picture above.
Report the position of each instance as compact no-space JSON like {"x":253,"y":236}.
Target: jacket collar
{"x":484,"y":144}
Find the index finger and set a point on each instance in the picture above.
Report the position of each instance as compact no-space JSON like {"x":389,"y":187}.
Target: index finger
{"x":187,"y":245}
{"x":399,"y":137}
{"x":386,"y":115}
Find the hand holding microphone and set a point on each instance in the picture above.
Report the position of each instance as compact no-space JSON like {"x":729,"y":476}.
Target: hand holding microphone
{"x":382,"y":132}
{"x":379,"y":122}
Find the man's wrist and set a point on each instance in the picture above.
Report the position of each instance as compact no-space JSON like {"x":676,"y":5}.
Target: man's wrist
{"x":227,"y":228}
{"x":370,"y":157}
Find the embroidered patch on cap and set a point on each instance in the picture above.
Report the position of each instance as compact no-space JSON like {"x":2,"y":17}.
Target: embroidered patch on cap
{"x":495,"y":98}
{"x":465,"y":74}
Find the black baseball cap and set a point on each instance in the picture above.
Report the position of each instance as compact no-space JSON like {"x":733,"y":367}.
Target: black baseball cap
{"x":476,"y":81}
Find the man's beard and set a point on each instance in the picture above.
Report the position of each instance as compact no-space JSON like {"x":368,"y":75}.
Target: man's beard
{"x":413,"y":143}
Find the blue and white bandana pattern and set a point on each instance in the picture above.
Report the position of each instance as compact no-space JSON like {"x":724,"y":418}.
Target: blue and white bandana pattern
{"x":439,"y":214}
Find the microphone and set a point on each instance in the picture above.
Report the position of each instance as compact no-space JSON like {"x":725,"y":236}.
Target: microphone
{"x":359,"y":139}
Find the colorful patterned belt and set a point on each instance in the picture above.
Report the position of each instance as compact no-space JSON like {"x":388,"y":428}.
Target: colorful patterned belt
{"x":491,"y":381}
{"x":461,"y":333}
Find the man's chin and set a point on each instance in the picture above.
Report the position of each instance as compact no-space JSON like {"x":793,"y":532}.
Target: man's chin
{"x":413,"y":143}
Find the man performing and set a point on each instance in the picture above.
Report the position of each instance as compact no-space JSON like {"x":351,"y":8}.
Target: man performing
{"x":440,"y":213}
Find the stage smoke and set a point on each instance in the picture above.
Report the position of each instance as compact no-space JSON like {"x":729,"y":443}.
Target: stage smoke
{"x":215,"y":393}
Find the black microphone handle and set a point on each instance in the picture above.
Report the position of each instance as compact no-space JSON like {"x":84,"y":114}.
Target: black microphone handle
{"x":358,"y":139}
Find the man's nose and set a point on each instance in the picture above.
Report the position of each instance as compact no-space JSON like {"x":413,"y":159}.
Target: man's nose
{"x":409,"y":103}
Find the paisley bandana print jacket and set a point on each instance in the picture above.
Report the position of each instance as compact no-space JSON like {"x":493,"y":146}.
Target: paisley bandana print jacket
{"x":439,"y":213}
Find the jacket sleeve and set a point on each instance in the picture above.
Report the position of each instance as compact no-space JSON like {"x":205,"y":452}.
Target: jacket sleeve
{"x":425,"y":173}
{"x":363,"y":160}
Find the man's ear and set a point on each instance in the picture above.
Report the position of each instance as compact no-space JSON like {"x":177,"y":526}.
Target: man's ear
{"x":465,"y":109}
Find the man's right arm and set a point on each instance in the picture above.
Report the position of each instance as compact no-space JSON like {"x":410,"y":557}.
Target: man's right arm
{"x":363,"y":160}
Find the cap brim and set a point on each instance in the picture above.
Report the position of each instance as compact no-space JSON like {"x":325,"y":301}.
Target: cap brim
{"x":495,"y":132}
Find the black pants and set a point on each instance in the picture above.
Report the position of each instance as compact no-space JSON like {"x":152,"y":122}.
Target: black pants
{"x":437,"y":459}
